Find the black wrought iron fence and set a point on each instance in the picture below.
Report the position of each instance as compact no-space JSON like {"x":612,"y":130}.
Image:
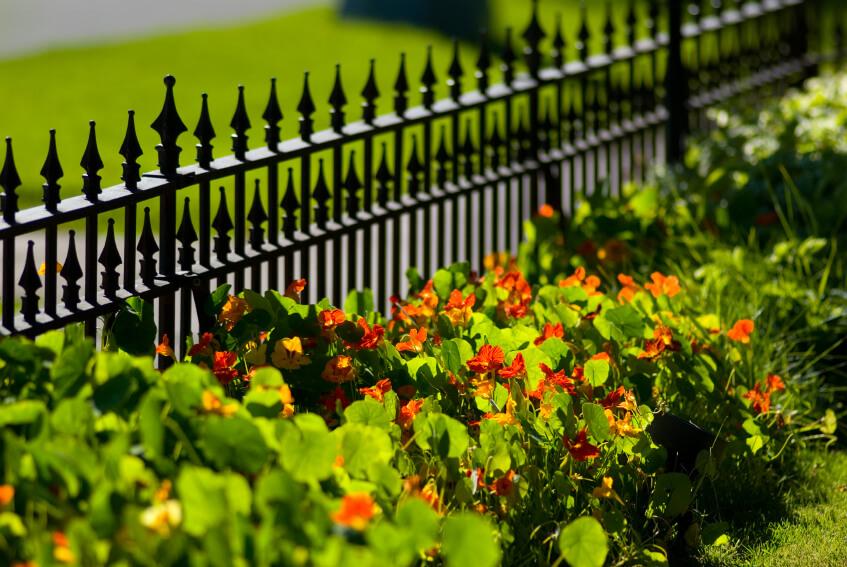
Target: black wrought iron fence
{"x":446,"y":180}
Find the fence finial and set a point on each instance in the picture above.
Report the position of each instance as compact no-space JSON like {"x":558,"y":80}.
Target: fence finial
{"x":631,"y":23}
{"x":272,"y":115}
{"x":584,"y":33}
{"x":559,"y":43}
{"x":468,"y":151}
{"x":508,"y":56}
{"x":401,"y":86}
{"x":52,"y":172}
{"x":9,"y":181}
{"x":455,"y":73}
{"x":222,"y":224}
{"x":482,"y":63}
{"x":240,"y":123}
{"x":337,"y":100}
{"x":414,"y":168}
{"x":169,"y":126}
{"x":147,"y":247}
{"x":110,"y":259}
{"x":442,"y":158}
{"x":321,"y":195}
{"x":290,"y":205}
{"x":383,"y":178}
{"x":306,"y":108}
{"x":370,"y":93}
{"x":352,"y":185}
{"x":609,"y":29}
{"x":131,"y":151}
{"x":204,"y":132}
{"x":186,"y":236}
{"x":91,"y":163}
{"x":428,"y":80}
{"x":533,"y":36}
{"x":71,"y":273}
{"x":30,"y":282}
{"x":257,"y":216}
{"x":495,"y":142}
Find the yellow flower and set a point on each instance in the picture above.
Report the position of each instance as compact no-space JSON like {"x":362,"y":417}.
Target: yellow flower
{"x":213,"y":405}
{"x":256,"y":355}
{"x":233,"y":311}
{"x":605,"y":489}
{"x":163,"y":518}
{"x":288,"y":354}
{"x":43,"y":269}
{"x":287,"y":401}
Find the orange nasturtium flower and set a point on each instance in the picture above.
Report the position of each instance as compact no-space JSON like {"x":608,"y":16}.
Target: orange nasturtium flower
{"x":356,"y":511}
{"x":62,"y":549}
{"x":515,"y":370}
{"x":503,"y":485}
{"x":550,"y":331}
{"x":43,"y":269}
{"x":211,"y":404}
{"x":223,"y":366}
{"x":372,"y":339}
{"x":294,"y":288}
{"x":339,"y":370}
{"x":329,"y":319}
{"x":408,"y":413}
{"x":204,"y":347}
{"x":761,"y":400}
{"x":233,"y":311}
{"x":7,"y":492}
{"x":668,"y":285}
{"x":378,"y":391}
{"x":287,"y":401}
{"x":774,"y":382}
{"x":489,"y":359}
{"x":580,"y":449}
{"x":459,"y":310}
{"x":415,"y":342}
{"x":165,"y":348}
{"x":575,"y":279}
{"x":605,"y":489}
{"x":629,"y":289}
{"x":507,"y":417}
{"x":288,"y":354}
{"x":741,"y":331}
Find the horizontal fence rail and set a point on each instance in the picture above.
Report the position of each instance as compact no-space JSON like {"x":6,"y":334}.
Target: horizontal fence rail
{"x":447,"y":180}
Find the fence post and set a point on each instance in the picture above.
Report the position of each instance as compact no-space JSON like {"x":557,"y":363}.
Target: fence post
{"x":676,"y":87}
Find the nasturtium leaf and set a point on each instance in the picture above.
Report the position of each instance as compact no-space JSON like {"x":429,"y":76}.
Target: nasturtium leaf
{"x":73,"y":416}
{"x":368,"y":412}
{"x":584,"y":543}
{"x":236,"y":443}
{"x":134,"y":327}
{"x":362,"y":445}
{"x":595,"y":419}
{"x":468,"y":539}
{"x":532,"y":356}
{"x":444,"y":327}
{"x":114,"y":393}
{"x":556,"y":349}
{"x":499,"y":459}
{"x":203,"y":498}
{"x":568,"y":317}
{"x":22,"y":412}
{"x":450,"y":355}
{"x":263,"y":403}
{"x":562,"y":417}
{"x":150,"y":426}
{"x":359,"y":302}
{"x":524,"y":335}
{"x":714,"y":534}
{"x":386,"y":479}
{"x":420,"y":522}
{"x":441,"y":434}
{"x":68,"y":372}
{"x":308,"y":450}
{"x":574,"y":293}
{"x":621,"y":323}
{"x":11,"y":523}
{"x":597,"y":372}
{"x":671,"y":495}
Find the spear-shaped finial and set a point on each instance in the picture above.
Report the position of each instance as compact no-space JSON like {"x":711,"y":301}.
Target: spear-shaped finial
{"x":9,"y":181}
{"x":169,"y":126}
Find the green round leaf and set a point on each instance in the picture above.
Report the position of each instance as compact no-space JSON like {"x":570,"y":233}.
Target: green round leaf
{"x":583,"y":543}
{"x":469,"y":540}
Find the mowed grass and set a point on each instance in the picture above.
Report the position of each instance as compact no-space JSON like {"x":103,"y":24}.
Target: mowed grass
{"x":65,"y":89}
{"x":800,"y":520}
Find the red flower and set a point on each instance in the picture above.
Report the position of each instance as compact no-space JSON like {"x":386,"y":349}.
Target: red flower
{"x":503,"y":486}
{"x":516,"y":370}
{"x":165,"y":348}
{"x":294,"y":288}
{"x":580,"y":449}
{"x":415,"y":342}
{"x":741,"y":331}
{"x":202,"y":347}
{"x":557,"y":379}
{"x":371,"y":340}
{"x":774,"y":382}
{"x":223,"y":367}
{"x":613,"y":398}
{"x":329,"y":319}
{"x":378,"y":391}
{"x":408,"y":413}
{"x":489,"y":359}
{"x":328,"y":399}
{"x":550,"y":332}
{"x":761,"y":401}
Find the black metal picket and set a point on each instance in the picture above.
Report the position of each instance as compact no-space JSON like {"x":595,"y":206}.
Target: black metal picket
{"x":471,"y":166}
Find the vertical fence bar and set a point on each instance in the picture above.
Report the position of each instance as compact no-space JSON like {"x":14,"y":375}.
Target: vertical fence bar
{"x":676,"y":85}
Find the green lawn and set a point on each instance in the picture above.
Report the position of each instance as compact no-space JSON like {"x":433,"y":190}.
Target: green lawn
{"x":66,"y":89}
